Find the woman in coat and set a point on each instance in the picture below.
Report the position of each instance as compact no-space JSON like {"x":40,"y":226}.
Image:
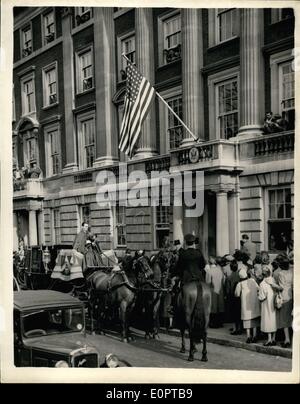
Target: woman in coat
{"x":284,"y":314}
{"x":247,"y":289}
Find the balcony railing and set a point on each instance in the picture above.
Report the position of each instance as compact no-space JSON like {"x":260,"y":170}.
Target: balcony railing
{"x":172,"y":54}
{"x":267,"y":145}
{"x":158,"y":164}
{"x":194,"y":155}
{"x":28,"y":188}
{"x":274,"y":144}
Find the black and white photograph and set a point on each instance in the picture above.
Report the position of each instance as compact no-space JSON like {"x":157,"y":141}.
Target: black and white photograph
{"x":147,"y":189}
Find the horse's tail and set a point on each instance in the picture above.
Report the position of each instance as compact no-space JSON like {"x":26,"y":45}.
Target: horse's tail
{"x":201,"y":312}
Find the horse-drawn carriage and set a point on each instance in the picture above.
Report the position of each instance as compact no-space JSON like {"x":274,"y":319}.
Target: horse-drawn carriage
{"x":105,"y":292}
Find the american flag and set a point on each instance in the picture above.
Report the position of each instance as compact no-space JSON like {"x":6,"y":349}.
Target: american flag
{"x":138,"y":98}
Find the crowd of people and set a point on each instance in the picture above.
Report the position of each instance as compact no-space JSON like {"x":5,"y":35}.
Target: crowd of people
{"x":253,"y":292}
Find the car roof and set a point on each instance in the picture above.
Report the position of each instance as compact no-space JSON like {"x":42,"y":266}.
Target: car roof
{"x":30,"y":299}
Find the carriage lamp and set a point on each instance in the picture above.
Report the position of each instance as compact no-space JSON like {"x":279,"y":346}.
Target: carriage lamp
{"x":46,"y":259}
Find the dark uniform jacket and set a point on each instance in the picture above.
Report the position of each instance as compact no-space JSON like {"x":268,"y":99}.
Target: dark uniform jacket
{"x":190,"y":266}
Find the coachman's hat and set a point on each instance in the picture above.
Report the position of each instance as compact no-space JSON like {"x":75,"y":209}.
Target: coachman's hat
{"x":190,"y":238}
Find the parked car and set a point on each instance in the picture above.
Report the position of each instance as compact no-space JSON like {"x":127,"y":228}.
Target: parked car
{"x":49,"y":331}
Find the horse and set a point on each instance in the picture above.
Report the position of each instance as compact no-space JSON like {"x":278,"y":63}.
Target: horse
{"x":117,"y":292}
{"x":192,"y":313}
{"x":150,"y":294}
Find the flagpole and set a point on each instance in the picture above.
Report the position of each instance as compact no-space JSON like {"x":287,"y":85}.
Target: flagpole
{"x":168,"y":106}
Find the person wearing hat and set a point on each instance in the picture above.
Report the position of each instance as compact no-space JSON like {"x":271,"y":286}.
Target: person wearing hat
{"x":247,"y":289}
{"x":191,"y":263}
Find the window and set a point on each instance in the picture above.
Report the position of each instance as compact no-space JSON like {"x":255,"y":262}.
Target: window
{"x":169,"y":37}
{"x":227,"y":96}
{"x":175,"y":129}
{"x":28,"y":95}
{"x":283,"y":86}
{"x":227,"y":23}
{"x":83,"y":14}
{"x":48,"y":27}
{"x":26,"y":41}
{"x":287,"y":92}
{"x":162,"y":223}
{"x":121,"y":225}
{"x":56,"y":225}
{"x":279,"y":14}
{"x":280,"y":218}
{"x":171,"y":131}
{"x":85,"y":214}
{"x":126,"y":46}
{"x":223,"y":98}
{"x":87,"y":145}
{"x":50,"y":85}
{"x":85,"y":79}
{"x":30,"y":149}
{"x":52,"y":141}
{"x":223,"y":25}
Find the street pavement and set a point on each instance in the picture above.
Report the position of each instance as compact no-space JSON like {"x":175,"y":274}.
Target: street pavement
{"x":164,"y":353}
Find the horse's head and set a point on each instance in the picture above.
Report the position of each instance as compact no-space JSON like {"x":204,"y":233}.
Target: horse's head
{"x":142,"y":268}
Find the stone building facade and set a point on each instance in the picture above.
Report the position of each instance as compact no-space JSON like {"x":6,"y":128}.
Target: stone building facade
{"x":220,"y":70}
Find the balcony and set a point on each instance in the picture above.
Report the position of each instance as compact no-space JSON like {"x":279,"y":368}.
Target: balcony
{"x":210,"y":155}
{"x":268,"y":147}
{"x":28,"y":188}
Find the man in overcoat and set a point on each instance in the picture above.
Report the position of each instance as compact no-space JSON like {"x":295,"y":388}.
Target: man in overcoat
{"x":191,"y":263}
{"x":81,"y":238}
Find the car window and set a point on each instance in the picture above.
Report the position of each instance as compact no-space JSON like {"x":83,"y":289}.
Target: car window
{"x":53,"y":321}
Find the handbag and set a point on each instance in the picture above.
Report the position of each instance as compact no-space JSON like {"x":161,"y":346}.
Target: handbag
{"x":278,"y":301}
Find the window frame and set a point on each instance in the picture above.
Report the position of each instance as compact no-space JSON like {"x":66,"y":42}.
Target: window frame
{"x":81,"y":142}
{"x":163,"y":118}
{"x":54,"y":228}
{"x":277,"y":60}
{"x":213,"y":27}
{"x":43,"y":16}
{"x":214,"y":81}
{"x":217,"y":24}
{"x":118,"y":225}
{"x":46,"y":96}
{"x":79,"y":69}
{"x":28,"y":137}
{"x":23,"y":81}
{"x":161,"y":35}
{"x":120,"y":40}
{"x":48,"y":160}
{"x":155,"y":223}
{"x":22,"y":30}
{"x":278,"y":220}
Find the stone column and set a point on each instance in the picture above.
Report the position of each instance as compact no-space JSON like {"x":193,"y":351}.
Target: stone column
{"x":252,"y":73}
{"x":105,"y":81}
{"x":192,"y":62}
{"x":68,"y":74}
{"x":145,"y":64}
{"x":222,"y":223}
{"x":40,"y":219}
{"x":234,"y":221}
{"x":32,"y":228}
{"x":178,"y":223}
